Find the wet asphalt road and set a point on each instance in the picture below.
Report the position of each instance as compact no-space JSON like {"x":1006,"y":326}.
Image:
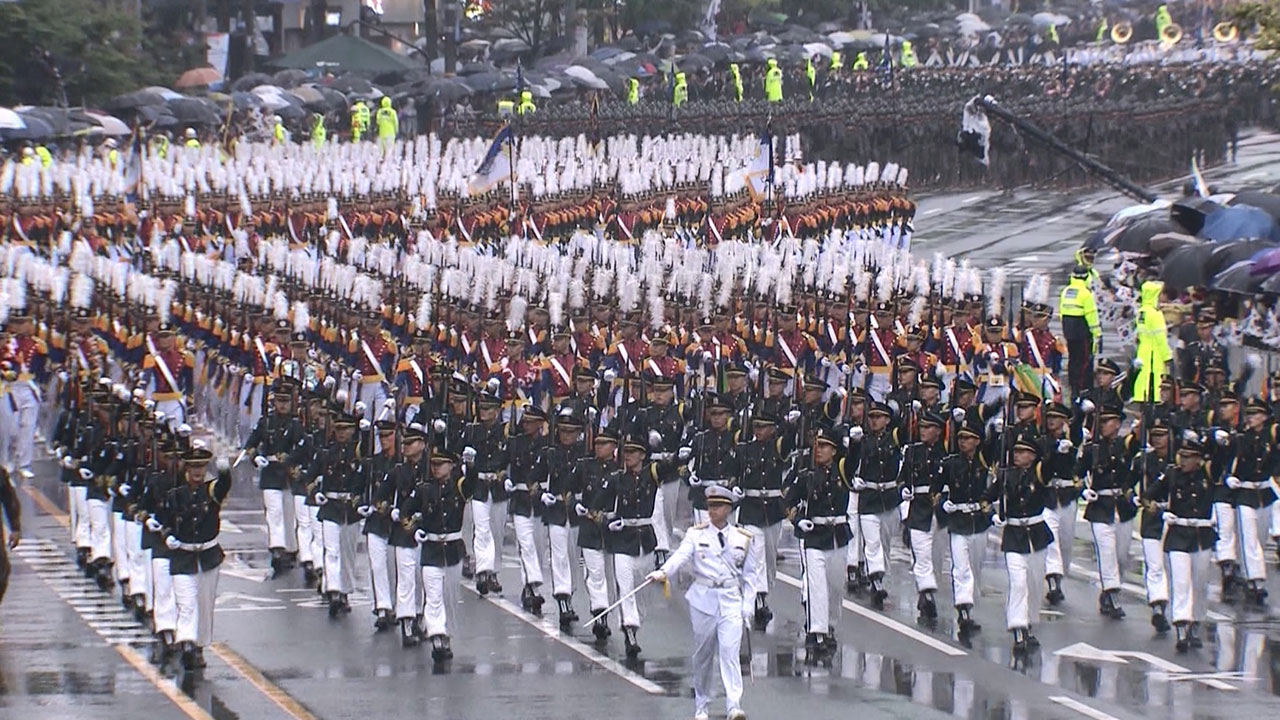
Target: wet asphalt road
{"x":66,"y":650}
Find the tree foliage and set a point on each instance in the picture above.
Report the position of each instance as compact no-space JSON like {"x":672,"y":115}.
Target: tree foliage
{"x":1264,"y":17}
{"x":98,"y":51}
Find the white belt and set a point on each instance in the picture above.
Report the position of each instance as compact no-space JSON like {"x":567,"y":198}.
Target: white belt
{"x":1063,"y":483}
{"x":339,"y":495}
{"x":1110,"y":492}
{"x":637,"y":522}
{"x":520,"y":487}
{"x":1190,"y":522}
{"x":1252,"y":485}
{"x":920,"y":489}
{"x":444,"y":537}
{"x":762,"y":493}
{"x":716,"y":584}
{"x":1023,"y":521}
{"x":198,"y":547}
{"x":968,"y":507}
{"x":830,"y":520}
{"x":882,"y":486}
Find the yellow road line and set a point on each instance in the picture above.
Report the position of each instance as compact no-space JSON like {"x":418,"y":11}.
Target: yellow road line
{"x":284,"y":700}
{"x":163,"y":684}
{"x":48,"y":506}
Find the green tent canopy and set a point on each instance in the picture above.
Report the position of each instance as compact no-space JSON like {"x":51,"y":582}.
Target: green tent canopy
{"x":345,"y":53}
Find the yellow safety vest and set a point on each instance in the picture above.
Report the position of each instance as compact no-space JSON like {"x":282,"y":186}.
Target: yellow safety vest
{"x":318,"y":134}
{"x":680,"y":92}
{"x":737,"y":82}
{"x":633,"y":91}
{"x":773,"y":85}
{"x":860,"y":61}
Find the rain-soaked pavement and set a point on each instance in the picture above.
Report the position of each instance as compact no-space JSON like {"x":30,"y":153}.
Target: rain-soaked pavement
{"x":68,"y":651}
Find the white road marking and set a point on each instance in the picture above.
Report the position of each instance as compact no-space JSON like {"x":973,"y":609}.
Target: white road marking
{"x":887,"y":622}
{"x":552,"y":631}
{"x":1081,"y":708}
{"x":972,"y":199}
{"x":934,"y":211}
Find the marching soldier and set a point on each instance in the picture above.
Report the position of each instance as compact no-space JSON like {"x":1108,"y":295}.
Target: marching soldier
{"x":170,"y":372}
{"x":556,"y":466}
{"x":340,"y":483}
{"x":662,"y":420}
{"x":1151,"y":464}
{"x":817,"y":503}
{"x":195,"y":509}
{"x":589,"y":477}
{"x":274,"y":441}
{"x":154,"y":511}
{"x":920,"y":473}
{"x":763,"y":465}
{"x":438,"y":505}
{"x":963,"y":489}
{"x":1060,"y":466}
{"x":394,"y":499}
{"x":712,"y":454}
{"x":524,"y":487}
{"x":382,"y":473}
{"x":1110,"y":509}
{"x":1251,"y":481}
{"x":485,"y":457}
{"x":1188,"y":540}
{"x":1018,"y":495}
{"x":878,"y":455}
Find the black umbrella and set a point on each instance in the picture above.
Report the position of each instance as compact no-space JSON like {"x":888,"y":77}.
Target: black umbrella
{"x":193,"y":110}
{"x":1238,"y":278}
{"x":352,"y":84}
{"x":448,"y":91}
{"x":1190,"y":212}
{"x":1226,"y":254}
{"x":1261,"y":200}
{"x":290,"y":78}
{"x":246,"y":100}
{"x":252,"y":80}
{"x":1136,"y":236}
{"x":1271,"y":284}
{"x":36,"y":128}
{"x":693,"y":63}
{"x":474,"y":68}
{"x":1186,"y":267}
{"x":135,"y":99}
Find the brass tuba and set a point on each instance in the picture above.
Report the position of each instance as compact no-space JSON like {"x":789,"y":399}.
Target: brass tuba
{"x":1122,"y":32}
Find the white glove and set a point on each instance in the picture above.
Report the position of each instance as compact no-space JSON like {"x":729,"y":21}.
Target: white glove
{"x":420,"y":535}
{"x":548,"y":499}
{"x":154,"y":525}
{"x":1089,"y":494}
{"x":684,"y":454}
{"x":365,"y":425}
{"x":172,"y":542}
{"x":1190,"y":435}
{"x":1221,"y":436}
{"x":998,"y":521}
{"x":1233,"y":482}
{"x":855,"y":433}
{"x":916,"y":405}
{"x":321,"y":499}
{"x":949,"y":507}
{"x":68,"y":462}
{"x":357,"y":376}
{"x":593,"y":413}
{"x":223,"y":464}
{"x":360,"y":407}
{"x":389,"y":404}
{"x":364,"y":511}
{"x":825,"y":362}
{"x":616,"y":525}
{"x":160,"y":418}
{"x":508,"y":485}
{"x":694,"y":480}
{"x":997,"y":425}
{"x":793,"y":416}
{"x":260,"y":461}
{"x":468,"y":455}
{"x":753,"y":375}
{"x":580,"y":509}
{"x":738,"y":491}
{"x":1087,"y":406}
{"x":86,"y":474}
{"x":610,"y":376}
{"x":859,"y":483}
{"x":62,"y":376}
{"x":806,"y":525}
{"x":1168,"y":517}
{"x":486,"y":476}
{"x":439,"y":426}
{"x":656,"y":576}
{"x":908,"y":494}
{"x":655,"y":440}
{"x":395,"y":514}
{"x":1135,"y":500}
{"x":939,"y":371}
{"x":1086,"y":433}
{"x":660,"y":457}
{"x":494,"y":385}
{"x":1137,"y":363}
{"x":1064,"y":446}
{"x":957,"y":414}
{"x":185,"y":430}
{"x":248,"y":377}
{"x":124,"y":488}
{"x":707,"y":357}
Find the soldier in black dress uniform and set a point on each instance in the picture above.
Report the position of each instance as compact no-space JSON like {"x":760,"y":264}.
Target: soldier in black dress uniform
{"x":1061,"y":469}
{"x":340,"y":482}
{"x":1256,"y":460}
{"x":1189,"y":539}
{"x":484,"y":455}
{"x":762,"y":464}
{"x":877,"y":458}
{"x":438,"y":505}
{"x":1149,"y":465}
{"x":1018,"y":495}
{"x":589,"y":475}
{"x":921,"y":473}
{"x":524,"y":487}
{"x":273,"y":441}
{"x":392,"y":499}
{"x":379,"y":471}
{"x":1111,"y":505}
{"x":962,"y":488}
{"x":555,"y":473}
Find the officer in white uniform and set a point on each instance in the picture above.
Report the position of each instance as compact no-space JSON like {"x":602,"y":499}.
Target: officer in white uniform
{"x":721,"y":599}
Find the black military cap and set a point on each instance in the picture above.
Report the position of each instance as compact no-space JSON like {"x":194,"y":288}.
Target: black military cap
{"x":1107,"y":365}
{"x":1057,"y":409}
{"x":1192,"y":447}
{"x":972,"y":427}
{"x":659,"y":382}
{"x":533,"y":413}
{"x":385,"y":427}
{"x":930,"y":417}
{"x":1026,"y":442}
{"x":828,"y":437}
{"x":414,"y":432}
{"x":964,"y":385}
{"x":567,"y":419}
{"x":197,"y":457}
{"x":607,"y":435}
{"x":736,"y":368}
{"x":813,"y":382}
{"x":440,"y":455}
{"x":165,"y":329}
{"x":906,"y":363}
{"x":778,"y":375}
{"x":1025,"y":398}
{"x":879,"y":408}
{"x":1159,"y":426}
{"x":1229,"y":397}
{"x":716,"y":401}
{"x":931,"y":380}
{"x":488,"y":400}
{"x":1111,"y":411}
{"x":635,"y":443}
{"x":1256,"y":405}
{"x":1191,"y":387}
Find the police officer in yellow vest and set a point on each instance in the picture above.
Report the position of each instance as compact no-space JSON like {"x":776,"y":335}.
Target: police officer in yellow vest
{"x":1153,"y":351}
{"x":278,"y":133}
{"x":113,"y":155}
{"x":680,"y":90}
{"x":811,"y":74}
{"x":1080,"y":327}
{"x":388,"y":123}
{"x":160,"y":145}
{"x":359,"y":120}
{"x":506,"y":108}
{"x":907,"y":58}
{"x":633,"y":91}
{"x":526,"y":105}
{"x":773,"y":81}
{"x":29,"y":156}
{"x":735,"y":77}
{"x":46,"y":157}
{"x":318,"y":132}
{"x":837,"y":62}
{"x":860,"y":61}
{"x":192,"y":141}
